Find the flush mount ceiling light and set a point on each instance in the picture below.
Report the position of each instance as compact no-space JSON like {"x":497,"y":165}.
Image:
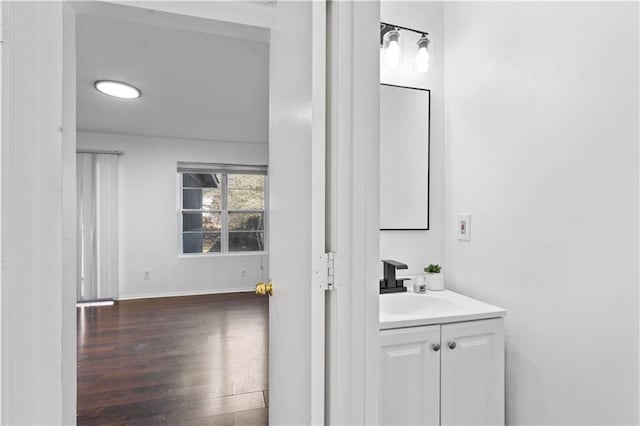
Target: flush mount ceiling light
{"x":391,"y":46}
{"x":117,"y":89}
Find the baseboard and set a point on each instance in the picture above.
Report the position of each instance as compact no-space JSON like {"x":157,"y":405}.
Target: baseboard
{"x":186,"y":293}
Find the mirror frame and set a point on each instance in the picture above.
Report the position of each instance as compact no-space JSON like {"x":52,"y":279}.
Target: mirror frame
{"x":428,"y":160}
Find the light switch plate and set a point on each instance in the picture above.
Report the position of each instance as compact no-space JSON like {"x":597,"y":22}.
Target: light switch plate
{"x":464,"y":227}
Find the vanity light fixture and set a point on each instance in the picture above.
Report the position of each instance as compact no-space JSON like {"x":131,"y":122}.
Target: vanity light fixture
{"x":117,"y":89}
{"x":391,"y":46}
{"x":393,"y":54}
{"x":422,"y":58}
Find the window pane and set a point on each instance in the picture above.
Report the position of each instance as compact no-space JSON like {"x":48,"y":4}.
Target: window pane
{"x":201,"y":222}
{"x":246,"y":241}
{"x":201,"y":180}
{"x":201,"y":242}
{"x":246,"y":221}
{"x":246,"y":192}
{"x":205,"y":199}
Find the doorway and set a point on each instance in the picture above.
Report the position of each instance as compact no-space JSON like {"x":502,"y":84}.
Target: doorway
{"x":39,"y":356}
{"x":38,"y":91}
{"x":179,"y":111}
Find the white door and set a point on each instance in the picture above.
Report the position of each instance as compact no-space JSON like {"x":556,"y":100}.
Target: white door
{"x":473,"y":373}
{"x":410,"y":376}
{"x":296,"y":214}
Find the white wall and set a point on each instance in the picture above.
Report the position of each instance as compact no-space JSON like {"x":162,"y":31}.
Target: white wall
{"x":542,"y":149}
{"x":419,"y":248}
{"x":148,"y":221}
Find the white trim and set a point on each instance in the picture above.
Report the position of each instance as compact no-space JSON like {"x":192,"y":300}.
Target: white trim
{"x":257,"y":14}
{"x":2,"y":139}
{"x":186,"y":293}
{"x":318,"y":210}
{"x":172,"y":19}
{"x":6,"y":362}
{"x":354,"y":211}
{"x":69,"y":213}
{"x":171,"y":138}
{"x":32,"y":269}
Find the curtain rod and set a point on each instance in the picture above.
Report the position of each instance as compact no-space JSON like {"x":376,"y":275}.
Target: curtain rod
{"x":91,"y":151}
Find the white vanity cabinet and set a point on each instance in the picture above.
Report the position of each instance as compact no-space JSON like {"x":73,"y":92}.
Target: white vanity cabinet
{"x":410,"y":376}
{"x":472,"y":373}
{"x":449,"y":374}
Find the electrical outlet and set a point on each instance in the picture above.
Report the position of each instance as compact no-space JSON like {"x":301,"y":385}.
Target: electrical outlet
{"x":243,"y":272}
{"x":147,"y":274}
{"x":464,"y":227}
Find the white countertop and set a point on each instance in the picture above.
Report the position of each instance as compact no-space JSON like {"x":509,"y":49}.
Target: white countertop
{"x":398,"y":310}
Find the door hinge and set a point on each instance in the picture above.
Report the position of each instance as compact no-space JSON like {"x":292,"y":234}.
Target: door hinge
{"x":331,"y":270}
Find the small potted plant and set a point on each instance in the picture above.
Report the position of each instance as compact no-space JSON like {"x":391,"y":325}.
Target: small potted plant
{"x":435,"y":280}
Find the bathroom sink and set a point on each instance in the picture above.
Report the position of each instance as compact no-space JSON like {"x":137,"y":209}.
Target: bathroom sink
{"x":435,"y":307}
{"x":416,"y":304}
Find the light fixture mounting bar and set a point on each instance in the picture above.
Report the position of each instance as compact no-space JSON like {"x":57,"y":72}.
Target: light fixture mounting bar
{"x":386,"y":27}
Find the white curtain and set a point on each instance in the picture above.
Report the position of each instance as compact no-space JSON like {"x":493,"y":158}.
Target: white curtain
{"x":97,"y":226}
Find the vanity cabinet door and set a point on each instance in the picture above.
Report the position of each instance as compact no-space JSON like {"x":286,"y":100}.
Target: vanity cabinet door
{"x":473,"y":373}
{"x":410,"y":376}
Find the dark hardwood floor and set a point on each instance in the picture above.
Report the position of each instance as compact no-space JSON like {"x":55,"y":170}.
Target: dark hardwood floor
{"x":200,"y":360}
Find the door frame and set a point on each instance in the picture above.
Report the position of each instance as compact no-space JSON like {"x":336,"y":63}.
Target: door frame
{"x":353,"y":117}
{"x":38,"y":358}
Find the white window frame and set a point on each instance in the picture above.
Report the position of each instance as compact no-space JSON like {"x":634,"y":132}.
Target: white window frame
{"x":223,"y":170}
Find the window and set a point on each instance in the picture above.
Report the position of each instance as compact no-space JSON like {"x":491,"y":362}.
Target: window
{"x":222,"y":208}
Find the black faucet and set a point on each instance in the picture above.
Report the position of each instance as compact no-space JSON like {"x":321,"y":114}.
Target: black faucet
{"x":391,"y":284}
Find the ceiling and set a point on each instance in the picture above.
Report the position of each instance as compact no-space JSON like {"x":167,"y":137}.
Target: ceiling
{"x":195,"y":84}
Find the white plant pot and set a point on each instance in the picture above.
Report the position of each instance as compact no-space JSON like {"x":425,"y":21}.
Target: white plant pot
{"x":435,"y":282}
